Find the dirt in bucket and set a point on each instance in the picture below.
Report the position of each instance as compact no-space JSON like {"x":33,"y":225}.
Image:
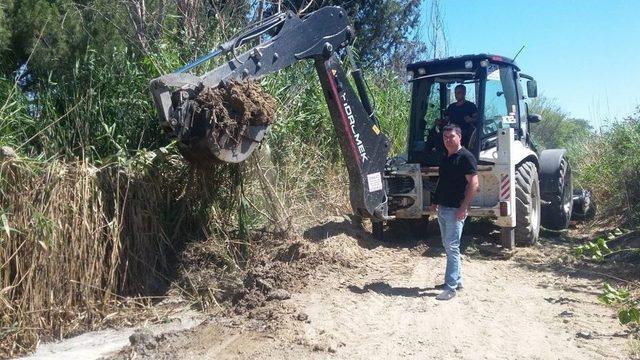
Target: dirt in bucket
{"x":238,"y":103}
{"x":221,"y":116}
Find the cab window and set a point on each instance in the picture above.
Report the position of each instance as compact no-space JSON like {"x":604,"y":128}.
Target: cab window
{"x":500,"y":99}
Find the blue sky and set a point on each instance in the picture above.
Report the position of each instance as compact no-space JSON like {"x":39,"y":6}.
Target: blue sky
{"x":584,"y":54}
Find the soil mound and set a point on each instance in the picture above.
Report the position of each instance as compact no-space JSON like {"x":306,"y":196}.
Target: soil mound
{"x":275,"y":265}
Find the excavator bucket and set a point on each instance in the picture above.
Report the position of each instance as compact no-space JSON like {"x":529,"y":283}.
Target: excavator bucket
{"x":222,"y":115}
{"x":224,"y":123}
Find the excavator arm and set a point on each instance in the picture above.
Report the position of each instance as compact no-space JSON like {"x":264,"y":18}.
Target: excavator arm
{"x":318,"y":36}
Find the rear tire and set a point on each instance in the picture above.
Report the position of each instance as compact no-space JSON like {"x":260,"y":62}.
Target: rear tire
{"x":557,"y":214}
{"x":527,"y":186}
{"x":377,"y":230}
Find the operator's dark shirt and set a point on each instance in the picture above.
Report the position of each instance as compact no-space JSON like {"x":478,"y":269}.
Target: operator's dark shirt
{"x":456,"y":114}
{"x":452,"y":181}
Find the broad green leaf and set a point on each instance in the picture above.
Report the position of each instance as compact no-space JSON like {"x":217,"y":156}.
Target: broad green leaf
{"x":604,"y":299}
{"x":609,"y":288}
{"x":624,"y":316}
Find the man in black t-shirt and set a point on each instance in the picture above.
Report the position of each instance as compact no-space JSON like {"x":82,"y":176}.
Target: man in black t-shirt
{"x":457,"y":184}
{"x":462,"y":113}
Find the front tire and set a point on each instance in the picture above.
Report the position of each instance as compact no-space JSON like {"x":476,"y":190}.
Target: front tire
{"x":527,"y":186}
{"x":557,"y":213}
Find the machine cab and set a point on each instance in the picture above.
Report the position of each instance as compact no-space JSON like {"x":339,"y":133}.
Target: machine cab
{"x":493,"y":85}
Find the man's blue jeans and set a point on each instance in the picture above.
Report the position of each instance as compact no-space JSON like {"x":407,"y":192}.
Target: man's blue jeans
{"x":451,"y":230}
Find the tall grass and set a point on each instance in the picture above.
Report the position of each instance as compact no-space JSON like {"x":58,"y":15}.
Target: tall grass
{"x":76,"y":237}
{"x":304,"y":120}
{"x":608,"y":164}
{"x":16,"y":125}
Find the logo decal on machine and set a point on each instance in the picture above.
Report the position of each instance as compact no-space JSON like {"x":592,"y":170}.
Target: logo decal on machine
{"x":374,"y":181}
{"x":352,"y":125}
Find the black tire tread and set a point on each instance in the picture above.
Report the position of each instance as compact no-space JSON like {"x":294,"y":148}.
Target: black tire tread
{"x":554,"y":217}
{"x":526,"y":178}
{"x":377,"y":230}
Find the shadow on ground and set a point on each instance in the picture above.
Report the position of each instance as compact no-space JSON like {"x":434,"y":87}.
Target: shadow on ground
{"x":388,"y":290}
{"x":408,"y":233}
{"x":352,"y":228}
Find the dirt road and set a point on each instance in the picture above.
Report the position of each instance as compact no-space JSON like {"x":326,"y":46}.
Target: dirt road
{"x":379,"y":303}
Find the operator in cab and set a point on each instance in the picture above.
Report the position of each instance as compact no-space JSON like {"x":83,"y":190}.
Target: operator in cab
{"x":462,"y":113}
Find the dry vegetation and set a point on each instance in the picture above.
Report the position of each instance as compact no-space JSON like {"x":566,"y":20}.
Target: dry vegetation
{"x":76,"y":235}
{"x":77,"y":238}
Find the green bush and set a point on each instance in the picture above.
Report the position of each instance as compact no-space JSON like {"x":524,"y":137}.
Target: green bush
{"x":557,"y":129}
{"x":608,"y":164}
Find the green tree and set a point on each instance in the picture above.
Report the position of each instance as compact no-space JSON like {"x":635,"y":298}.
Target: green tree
{"x":47,"y":33}
{"x":4,"y":29}
{"x":54,"y":35}
{"x":557,"y":129}
{"x":634,"y":119}
{"x":384,"y":28}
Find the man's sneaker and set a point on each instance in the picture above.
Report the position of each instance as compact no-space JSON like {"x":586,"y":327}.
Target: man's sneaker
{"x":446,"y":295}
{"x":443,"y":286}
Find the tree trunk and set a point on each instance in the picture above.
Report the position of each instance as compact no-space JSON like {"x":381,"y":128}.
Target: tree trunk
{"x":137,"y":14}
{"x":188,"y":21}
